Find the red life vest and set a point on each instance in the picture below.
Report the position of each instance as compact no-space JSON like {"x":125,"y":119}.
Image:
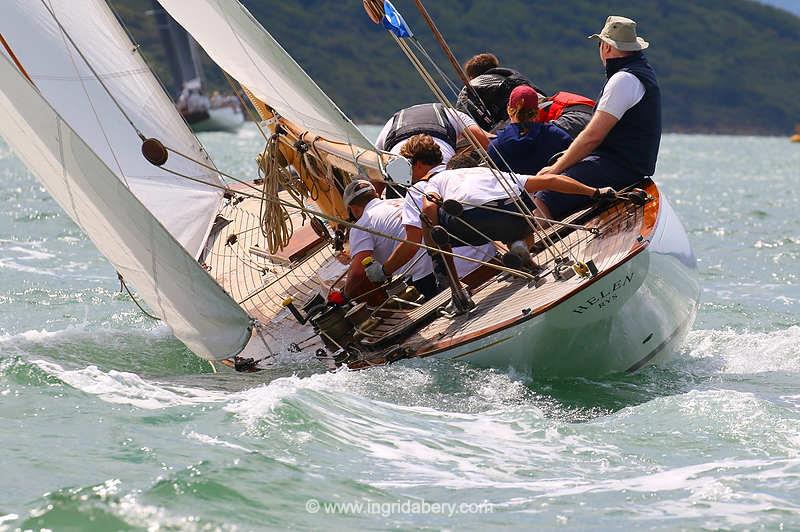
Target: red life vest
{"x":558,"y":102}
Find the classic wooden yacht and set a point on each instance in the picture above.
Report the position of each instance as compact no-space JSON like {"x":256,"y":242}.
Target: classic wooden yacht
{"x":253,"y":268}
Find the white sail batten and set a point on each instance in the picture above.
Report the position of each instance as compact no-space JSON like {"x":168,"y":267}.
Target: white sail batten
{"x":236,"y":41}
{"x":186,"y":208}
{"x":176,"y":287}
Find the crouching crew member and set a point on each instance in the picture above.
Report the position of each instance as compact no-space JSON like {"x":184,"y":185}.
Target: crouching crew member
{"x":384,"y":217}
{"x":480,"y":187}
{"x":620,"y":145}
{"x":525,"y":146}
{"x":446,"y":126}
{"x":426,"y":160}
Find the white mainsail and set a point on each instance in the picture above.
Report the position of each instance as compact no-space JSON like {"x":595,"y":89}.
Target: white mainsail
{"x":196,"y":308}
{"x":236,"y":41}
{"x":39,"y":33}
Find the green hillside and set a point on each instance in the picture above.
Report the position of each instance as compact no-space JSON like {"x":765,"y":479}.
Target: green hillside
{"x":724,"y":65}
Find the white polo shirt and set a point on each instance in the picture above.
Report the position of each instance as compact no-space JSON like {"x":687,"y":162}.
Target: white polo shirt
{"x":460,"y":121}
{"x":412,"y":207}
{"x":474,"y":186}
{"x":385,"y":216}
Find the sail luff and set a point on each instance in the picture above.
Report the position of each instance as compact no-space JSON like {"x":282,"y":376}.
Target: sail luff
{"x":197,"y":310}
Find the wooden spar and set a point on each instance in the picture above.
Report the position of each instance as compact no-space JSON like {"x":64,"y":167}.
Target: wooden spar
{"x":13,"y":57}
{"x":329,"y":201}
{"x":442,"y":43}
{"x":338,"y":155}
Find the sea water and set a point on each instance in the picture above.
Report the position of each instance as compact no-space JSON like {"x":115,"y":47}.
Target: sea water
{"x":109,"y":423}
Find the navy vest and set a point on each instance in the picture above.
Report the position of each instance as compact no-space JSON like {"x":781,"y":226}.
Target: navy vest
{"x":427,"y":118}
{"x":634,"y":141}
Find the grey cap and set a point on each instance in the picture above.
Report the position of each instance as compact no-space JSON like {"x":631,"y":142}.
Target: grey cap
{"x":620,"y":32}
{"x":356,"y":188}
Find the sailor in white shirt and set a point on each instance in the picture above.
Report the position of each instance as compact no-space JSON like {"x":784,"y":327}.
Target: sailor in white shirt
{"x":474,"y":188}
{"x":425,"y":156}
{"x":384,"y":217}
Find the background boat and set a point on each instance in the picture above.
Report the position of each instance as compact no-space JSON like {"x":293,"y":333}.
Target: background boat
{"x":203,"y":112}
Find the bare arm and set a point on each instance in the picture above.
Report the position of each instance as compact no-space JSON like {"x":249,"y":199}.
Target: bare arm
{"x":558,"y":183}
{"x":585,"y":143}
{"x":357,"y":282}
{"x":431,"y":210}
{"x":480,"y":135}
{"x":404,"y":252}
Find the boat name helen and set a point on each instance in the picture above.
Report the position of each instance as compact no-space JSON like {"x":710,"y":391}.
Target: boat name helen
{"x":605,"y":297}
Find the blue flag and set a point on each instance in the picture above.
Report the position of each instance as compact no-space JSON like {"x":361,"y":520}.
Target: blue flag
{"x":393,"y":21}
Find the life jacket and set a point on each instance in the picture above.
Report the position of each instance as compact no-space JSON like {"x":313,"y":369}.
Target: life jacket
{"x":427,"y":119}
{"x":554,"y":106}
{"x":487,"y":99}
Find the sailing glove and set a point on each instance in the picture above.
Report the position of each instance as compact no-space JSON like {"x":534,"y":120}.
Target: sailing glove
{"x":375,"y":272}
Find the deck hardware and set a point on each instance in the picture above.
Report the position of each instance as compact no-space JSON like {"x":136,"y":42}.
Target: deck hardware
{"x":592,"y":267}
{"x":581,"y":269}
{"x":563,"y":272}
{"x":154,"y":151}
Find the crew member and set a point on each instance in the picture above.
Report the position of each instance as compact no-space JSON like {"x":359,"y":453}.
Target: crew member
{"x":426,"y":160}
{"x":620,"y":145}
{"x":474,"y":188}
{"x":375,"y":217}
{"x":491,"y":85}
{"x":446,"y":126}
{"x":525,"y":146}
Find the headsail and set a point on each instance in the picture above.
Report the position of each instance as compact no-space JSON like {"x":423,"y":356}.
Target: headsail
{"x":196,"y":308}
{"x":242,"y":47}
{"x":33,"y":30}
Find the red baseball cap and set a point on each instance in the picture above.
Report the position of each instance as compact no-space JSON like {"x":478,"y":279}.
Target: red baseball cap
{"x":524,"y":97}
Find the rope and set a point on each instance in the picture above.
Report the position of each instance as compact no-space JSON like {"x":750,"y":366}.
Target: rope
{"x":122,"y":285}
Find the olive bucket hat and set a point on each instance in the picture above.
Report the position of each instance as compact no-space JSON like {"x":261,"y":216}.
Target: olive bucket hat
{"x":620,"y":32}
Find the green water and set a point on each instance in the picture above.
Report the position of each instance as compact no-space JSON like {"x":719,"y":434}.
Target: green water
{"x":108,"y":423}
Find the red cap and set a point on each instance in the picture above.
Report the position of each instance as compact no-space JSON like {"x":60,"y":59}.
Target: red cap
{"x":524,"y":97}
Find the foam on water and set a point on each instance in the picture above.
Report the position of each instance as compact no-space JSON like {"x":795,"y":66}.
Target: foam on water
{"x":120,"y":387}
{"x":112,"y":424}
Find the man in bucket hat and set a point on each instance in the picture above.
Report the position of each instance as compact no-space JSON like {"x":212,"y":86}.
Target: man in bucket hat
{"x":620,"y":145}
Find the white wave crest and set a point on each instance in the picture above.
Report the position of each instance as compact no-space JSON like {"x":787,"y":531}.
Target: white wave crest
{"x":120,"y":387}
{"x":749,"y":352}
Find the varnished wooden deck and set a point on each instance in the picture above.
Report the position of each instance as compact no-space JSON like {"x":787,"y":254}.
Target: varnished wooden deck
{"x":260,"y":283}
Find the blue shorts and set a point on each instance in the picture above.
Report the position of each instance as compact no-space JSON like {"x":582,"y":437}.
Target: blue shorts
{"x":593,"y":171}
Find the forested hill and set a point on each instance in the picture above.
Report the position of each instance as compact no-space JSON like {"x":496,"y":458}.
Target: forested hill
{"x":724,"y":65}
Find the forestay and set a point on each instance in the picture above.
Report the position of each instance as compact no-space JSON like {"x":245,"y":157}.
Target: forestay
{"x":187,"y":209}
{"x":236,"y":41}
{"x":196,"y":308}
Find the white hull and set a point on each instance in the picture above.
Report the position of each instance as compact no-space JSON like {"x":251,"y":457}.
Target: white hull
{"x":220,"y":119}
{"x":636,"y":315}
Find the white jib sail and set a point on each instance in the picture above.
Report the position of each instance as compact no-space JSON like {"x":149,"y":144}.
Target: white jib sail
{"x":187,"y":209}
{"x":195,"y":307}
{"x":236,"y":41}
